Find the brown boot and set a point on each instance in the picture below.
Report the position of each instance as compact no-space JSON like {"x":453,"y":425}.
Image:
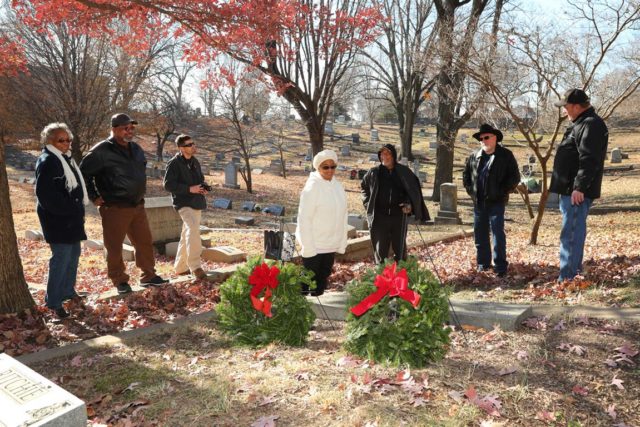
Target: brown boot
{"x":200,"y":274}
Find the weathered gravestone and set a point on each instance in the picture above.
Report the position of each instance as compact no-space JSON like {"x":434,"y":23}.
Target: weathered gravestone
{"x":223,"y":254}
{"x":346,"y":150}
{"x":448,"y":213}
{"x":433,"y":145}
{"x":277,"y":210}
{"x":553,"y":201}
{"x":164,"y":221}
{"x":357,"y":221}
{"x":616,"y":155}
{"x":248,"y":206}
{"x":219,"y":156}
{"x":355,"y":138}
{"x":34,"y":235}
{"x":231,"y":176}
{"x":244,"y":220}
{"x":341,"y":119}
{"x":29,"y":399}
{"x":373,"y":158}
{"x":222,"y":203}
{"x":328,"y":128}
{"x":374,"y":135}
{"x":422,"y":133}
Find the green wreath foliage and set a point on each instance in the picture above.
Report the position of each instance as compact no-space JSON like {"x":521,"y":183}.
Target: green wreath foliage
{"x":393,"y":331}
{"x":292,"y":313}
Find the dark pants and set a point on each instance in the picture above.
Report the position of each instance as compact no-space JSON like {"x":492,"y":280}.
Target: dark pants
{"x":388,"y":230}
{"x":489,"y":219}
{"x":321,"y":266}
{"x":63,"y":267}
{"x":132,"y":222}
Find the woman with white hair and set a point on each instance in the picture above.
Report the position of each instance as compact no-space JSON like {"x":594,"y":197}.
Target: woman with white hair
{"x":322,"y":219}
{"x":62,"y":196}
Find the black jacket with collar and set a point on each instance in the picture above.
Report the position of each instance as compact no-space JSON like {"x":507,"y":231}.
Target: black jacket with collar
{"x":579,"y":161}
{"x":118,"y":175}
{"x":177,"y":180}
{"x":370,"y":185}
{"x":503,"y":177}
{"x":61,"y":213}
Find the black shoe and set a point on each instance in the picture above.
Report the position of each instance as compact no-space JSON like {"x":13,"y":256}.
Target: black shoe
{"x":61,"y":313}
{"x":482,"y":268}
{"x":154,"y":281}
{"x":76,"y":295}
{"x":124,"y":288}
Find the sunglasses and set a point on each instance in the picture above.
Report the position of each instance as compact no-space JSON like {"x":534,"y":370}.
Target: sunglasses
{"x":187,"y":145}
{"x":484,"y":138}
{"x":328,"y":167}
{"x":65,"y":140}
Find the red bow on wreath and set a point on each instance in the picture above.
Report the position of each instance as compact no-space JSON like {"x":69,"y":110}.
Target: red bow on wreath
{"x":396,"y":285}
{"x":263,"y":277}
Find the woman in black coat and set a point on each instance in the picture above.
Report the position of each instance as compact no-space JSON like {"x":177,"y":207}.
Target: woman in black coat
{"x":61,"y":197}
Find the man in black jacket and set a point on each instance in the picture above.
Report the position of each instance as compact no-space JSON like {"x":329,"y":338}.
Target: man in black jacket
{"x":390,"y":192}
{"x":577,"y":176}
{"x":185,"y":181}
{"x":114,"y":171}
{"x":490,"y":174}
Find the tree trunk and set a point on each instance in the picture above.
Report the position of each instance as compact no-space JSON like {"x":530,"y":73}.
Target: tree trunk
{"x":316,"y":137}
{"x":533,"y":240}
{"x":406,"y":135}
{"x":14,"y":293}
{"x":444,"y":164}
{"x":282,"y":164}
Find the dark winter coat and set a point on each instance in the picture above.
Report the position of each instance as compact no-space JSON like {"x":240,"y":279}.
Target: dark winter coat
{"x":180,"y":175}
{"x":503,"y":176}
{"x":61,"y":213}
{"x":410,"y":183}
{"x":579,"y":161}
{"x":116,"y":174}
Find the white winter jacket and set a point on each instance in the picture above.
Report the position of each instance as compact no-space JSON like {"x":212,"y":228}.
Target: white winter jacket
{"x":322,"y":217}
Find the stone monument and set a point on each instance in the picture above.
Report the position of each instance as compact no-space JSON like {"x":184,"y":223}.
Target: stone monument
{"x":374,"y":135}
{"x":231,"y":176}
{"x":448,"y":213}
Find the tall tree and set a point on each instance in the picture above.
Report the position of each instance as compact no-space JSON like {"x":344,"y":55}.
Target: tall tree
{"x":401,"y":60}
{"x":456,"y":33}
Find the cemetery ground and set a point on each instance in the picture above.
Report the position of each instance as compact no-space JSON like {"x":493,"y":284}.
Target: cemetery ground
{"x":558,"y":371}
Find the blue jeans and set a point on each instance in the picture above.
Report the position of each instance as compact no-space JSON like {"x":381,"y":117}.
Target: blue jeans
{"x":488,"y":218}
{"x":572,"y":236}
{"x":63,"y":267}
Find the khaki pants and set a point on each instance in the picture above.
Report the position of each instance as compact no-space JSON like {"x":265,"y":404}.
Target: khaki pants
{"x":118,"y":222}
{"x":190,"y":246}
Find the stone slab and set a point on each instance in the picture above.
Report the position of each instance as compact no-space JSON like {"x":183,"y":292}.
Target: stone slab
{"x":277,"y":210}
{"x":245,"y":220}
{"x":128,"y":253}
{"x":94,"y":245}
{"x":171,"y":249}
{"x":357,"y":221}
{"x":357,"y":249}
{"x":28,"y":398}
{"x":164,"y":221}
{"x":479,"y":314}
{"x":34,"y":235}
{"x":223,"y":254}
{"x":222,"y":203}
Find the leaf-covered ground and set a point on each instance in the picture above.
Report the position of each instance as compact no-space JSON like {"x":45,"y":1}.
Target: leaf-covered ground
{"x":561,"y":372}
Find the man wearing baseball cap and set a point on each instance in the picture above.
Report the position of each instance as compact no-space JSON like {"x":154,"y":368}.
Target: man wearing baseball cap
{"x":114,"y":171}
{"x":577,"y":176}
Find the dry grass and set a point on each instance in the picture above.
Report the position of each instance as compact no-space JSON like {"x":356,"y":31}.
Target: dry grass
{"x":194,"y":376}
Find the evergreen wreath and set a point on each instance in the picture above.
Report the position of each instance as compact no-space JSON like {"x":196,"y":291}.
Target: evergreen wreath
{"x":400,"y":321}
{"x":262,"y":302}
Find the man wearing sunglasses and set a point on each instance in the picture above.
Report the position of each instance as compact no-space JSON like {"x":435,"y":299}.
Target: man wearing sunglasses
{"x":185,"y":181}
{"x":490,"y":174}
{"x":390,"y":192}
{"x":114,"y":171}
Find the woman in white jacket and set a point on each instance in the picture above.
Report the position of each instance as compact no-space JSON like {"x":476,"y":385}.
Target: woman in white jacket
{"x":322,"y":219}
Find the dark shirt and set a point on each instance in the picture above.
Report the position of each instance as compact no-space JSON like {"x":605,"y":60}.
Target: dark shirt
{"x":390,"y":192}
{"x":483,"y":174}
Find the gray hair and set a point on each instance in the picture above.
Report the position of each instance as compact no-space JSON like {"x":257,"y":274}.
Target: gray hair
{"x":50,"y":129}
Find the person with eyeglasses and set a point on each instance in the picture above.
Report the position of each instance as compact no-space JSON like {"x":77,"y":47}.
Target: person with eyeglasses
{"x":115,"y":174}
{"x":490,"y":174}
{"x":391,"y":192}
{"x":322,"y":219}
{"x":185,"y":181}
{"x":61,"y":198}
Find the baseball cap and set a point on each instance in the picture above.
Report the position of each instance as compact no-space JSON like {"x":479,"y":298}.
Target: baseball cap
{"x":572,"y":96}
{"x":121,"y":119}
